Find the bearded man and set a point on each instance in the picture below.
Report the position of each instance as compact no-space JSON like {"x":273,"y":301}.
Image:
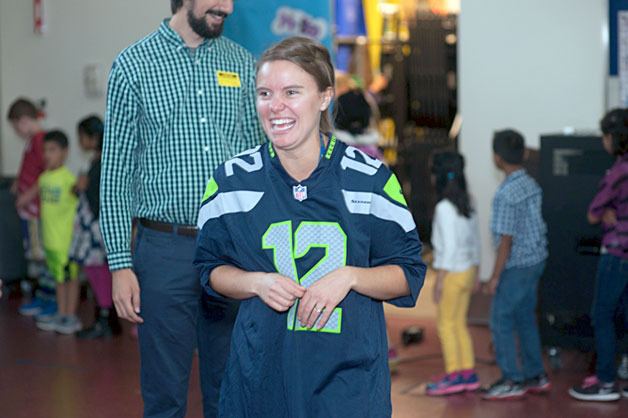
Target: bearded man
{"x":180,"y":101}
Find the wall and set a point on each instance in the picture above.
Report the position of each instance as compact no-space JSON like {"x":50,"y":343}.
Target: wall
{"x":535,"y":65}
{"x":50,"y":66}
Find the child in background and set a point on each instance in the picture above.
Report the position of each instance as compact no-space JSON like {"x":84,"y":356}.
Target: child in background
{"x":610,"y":208}
{"x":87,"y":247}
{"x":24,"y":117}
{"x":456,"y":243}
{"x":519,"y":233}
{"x":356,"y":118}
{"x":58,"y":208}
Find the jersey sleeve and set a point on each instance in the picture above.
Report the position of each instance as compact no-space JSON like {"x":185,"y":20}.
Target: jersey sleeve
{"x":394,"y":237}
{"x":231,"y":191}
{"x":214,"y":246}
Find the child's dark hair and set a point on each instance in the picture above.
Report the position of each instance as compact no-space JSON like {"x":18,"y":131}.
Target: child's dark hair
{"x":22,"y":107}
{"x":58,"y":137}
{"x":509,"y":145}
{"x":93,"y":127}
{"x":615,"y":124}
{"x":448,"y":170}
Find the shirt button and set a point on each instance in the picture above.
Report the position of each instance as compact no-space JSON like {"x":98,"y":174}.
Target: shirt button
{"x":203,"y":120}
{"x":206,"y":148}
{"x":199,"y":92}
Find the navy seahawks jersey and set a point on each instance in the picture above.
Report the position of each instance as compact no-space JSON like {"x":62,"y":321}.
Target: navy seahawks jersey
{"x":350,"y":211}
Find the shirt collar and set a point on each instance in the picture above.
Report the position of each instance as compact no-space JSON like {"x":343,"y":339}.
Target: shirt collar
{"x":174,"y":38}
{"x":515,"y":174}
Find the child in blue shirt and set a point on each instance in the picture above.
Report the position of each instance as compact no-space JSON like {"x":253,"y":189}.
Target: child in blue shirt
{"x":519,"y":234}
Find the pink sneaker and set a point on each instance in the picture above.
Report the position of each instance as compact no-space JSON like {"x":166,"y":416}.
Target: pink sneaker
{"x":471,"y":381}
{"x":450,"y":384}
{"x":393,"y":360}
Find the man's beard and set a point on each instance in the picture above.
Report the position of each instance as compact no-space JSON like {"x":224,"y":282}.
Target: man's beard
{"x":200,"y":26}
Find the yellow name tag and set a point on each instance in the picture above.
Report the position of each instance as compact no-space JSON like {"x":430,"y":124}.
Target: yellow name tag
{"x":227,"y":79}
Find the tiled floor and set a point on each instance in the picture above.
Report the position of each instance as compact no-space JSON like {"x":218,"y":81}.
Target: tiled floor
{"x":50,"y":376}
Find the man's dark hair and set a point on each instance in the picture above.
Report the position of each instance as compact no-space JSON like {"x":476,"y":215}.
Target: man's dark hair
{"x":58,"y":137}
{"x":509,"y":145}
{"x":22,"y":107}
{"x":175,"y":5}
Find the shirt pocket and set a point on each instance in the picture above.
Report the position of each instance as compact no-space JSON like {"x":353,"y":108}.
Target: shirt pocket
{"x":225,"y":104}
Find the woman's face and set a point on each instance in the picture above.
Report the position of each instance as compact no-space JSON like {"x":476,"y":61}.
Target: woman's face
{"x":289,"y":104}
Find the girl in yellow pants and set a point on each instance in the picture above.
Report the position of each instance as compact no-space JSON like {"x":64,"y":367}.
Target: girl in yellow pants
{"x":455,"y":240}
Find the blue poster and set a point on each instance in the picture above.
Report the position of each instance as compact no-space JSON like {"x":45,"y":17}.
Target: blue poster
{"x":614,"y":8}
{"x":257,"y":24}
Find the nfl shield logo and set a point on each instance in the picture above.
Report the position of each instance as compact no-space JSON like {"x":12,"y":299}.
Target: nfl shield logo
{"x":299,"y":192}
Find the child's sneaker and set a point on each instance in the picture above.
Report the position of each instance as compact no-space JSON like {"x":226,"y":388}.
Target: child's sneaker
{"x":504,"y":389}
{"x":31,"y":308}
{"x":68,"y":325}
{"x":471,"y":381}
{"x":49,"y":323}
{"x":451,"y":383}
{"x":48,"y":310}
{"x":592,"y":389}
{"x":538,"y":385}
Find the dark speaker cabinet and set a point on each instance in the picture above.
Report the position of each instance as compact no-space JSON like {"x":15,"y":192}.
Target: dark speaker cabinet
{"x":571,"y":168}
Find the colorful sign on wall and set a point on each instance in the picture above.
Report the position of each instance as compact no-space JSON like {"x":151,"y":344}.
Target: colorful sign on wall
{"x":258,"y":24}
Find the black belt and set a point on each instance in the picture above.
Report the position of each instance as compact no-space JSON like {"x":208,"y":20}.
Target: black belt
{"x":187,"y":230}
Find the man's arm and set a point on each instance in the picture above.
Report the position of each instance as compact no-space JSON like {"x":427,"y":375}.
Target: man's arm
{"x":118,"y":162}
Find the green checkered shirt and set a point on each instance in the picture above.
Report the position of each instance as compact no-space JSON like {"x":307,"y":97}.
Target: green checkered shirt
{"x":173,"y":114}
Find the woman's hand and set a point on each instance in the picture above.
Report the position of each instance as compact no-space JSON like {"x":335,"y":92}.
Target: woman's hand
{"x":277,"y":291}
{"x":322,"y":297}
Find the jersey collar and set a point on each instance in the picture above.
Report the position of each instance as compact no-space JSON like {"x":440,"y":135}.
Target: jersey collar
{"x":326,"y":156}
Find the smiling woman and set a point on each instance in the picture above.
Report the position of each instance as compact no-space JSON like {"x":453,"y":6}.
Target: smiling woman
{"x":312,"y":236}
{"x":294,"y":92}
{"x":290,"y":104}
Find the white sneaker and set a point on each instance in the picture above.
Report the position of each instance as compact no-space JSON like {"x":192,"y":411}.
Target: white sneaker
{"x":49,"y":323}
{"x":68,"y":325}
